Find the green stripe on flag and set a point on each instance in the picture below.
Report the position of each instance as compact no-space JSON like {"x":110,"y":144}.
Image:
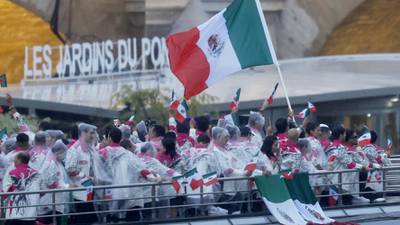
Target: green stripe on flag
{"x":247,"y":34}
{"x":273,"y":188}
{"x":299,"y":188}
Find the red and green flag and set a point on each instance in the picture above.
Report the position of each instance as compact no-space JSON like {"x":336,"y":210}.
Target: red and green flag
{"x":181,"y":111}
{"x":232,"y":40}
{"x":235,"y":102}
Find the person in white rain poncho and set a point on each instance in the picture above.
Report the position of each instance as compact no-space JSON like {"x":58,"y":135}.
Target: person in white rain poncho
{"x":377,"y":159}
{"x":21,"y":145}
{"x":256,"y":124}
{"x":339,"y":159}
{"x":147,"y":155}
{"x":227,"y":165}
{"x":53,"y":136}
{"x":313,"y":131}
{"x":270,"y":150}
{"x":308,"y":166}
{"x":39,"y":151}
{"x":54,"y":176}
{"x":237,"y":145}
{"x":85,"y":169}
{"x":22,"y":208}
{"x":183,"y":140}
{"x":125,"y":168}
{"x":290,"y":154}
{"x":8,"y":146}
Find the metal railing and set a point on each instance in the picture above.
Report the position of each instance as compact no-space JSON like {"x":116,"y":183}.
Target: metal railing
{"x":248,"y":202}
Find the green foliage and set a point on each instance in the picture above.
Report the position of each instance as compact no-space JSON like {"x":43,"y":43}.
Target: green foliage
{"x":6,"y":121}
{"x":151,"y":103}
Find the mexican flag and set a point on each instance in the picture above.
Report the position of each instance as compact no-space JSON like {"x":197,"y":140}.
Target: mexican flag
{"x":194,"y":179}
{"x":210,"y":178}
{"x":234,"y":39}
{"x":305,"y":200}
{"x":292,"y":201}
{"x":312,"y":107}
{"x":235,"y":102}
{"x":177,"y":182}
{"x":303,"y":114}
{"x":268,"y":101}
{"x":277,"y":198}
{"x":181,"y":111}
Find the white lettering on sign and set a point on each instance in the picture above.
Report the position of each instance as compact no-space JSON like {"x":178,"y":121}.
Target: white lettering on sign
{"x":95,"y":59}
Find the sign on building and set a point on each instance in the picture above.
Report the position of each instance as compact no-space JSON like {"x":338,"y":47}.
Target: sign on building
{"x":84,"y":60}
{"x":3,"y":80}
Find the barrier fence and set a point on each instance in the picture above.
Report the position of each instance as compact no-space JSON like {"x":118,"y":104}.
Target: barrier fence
{"x":196,"y":203}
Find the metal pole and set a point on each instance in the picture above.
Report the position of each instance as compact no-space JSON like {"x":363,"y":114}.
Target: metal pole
{"x":153,"y":200}
{"x":201,"y":198}
{"x":272,"y":52}
{"x":248,"y":196}
{"x":384,"y":183}
{"x":54,"y":208}
{"x":341,"y":188}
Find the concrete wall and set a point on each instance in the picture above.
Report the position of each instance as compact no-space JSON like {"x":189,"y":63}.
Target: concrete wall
{"x":298,"y":27}
{"x":305,"y":25}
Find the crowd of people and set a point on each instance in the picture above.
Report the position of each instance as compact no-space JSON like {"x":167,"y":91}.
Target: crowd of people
{"x":131,"y":153}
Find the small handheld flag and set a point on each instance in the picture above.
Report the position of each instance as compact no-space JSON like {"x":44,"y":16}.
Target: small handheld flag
{"x":177,"y":182}
{"x":194,"y":179}
{"x":303,"y":114}
{"x":235,"y":102}
{"x":250,"y":167}
{"x":311,"y":107}
{"x":174,"y":102}
{"x":270,"y":99}
{"x":389,"y":143}
{"x":181,"y":111}
{"x":89,"y":193}
{"x":210,"y":179}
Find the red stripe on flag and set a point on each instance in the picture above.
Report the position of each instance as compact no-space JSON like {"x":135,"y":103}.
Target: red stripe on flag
{"x":188,"y":62}
{"x":174,"y":105}
{"x":180,"y":117}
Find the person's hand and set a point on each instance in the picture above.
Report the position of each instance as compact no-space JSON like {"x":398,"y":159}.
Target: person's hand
{"x":319,"y":167}
{"x":171,"y":113}
{"x":192,"y":123}
{"x":365,"y":169}
{"x":248,"y":173}
{"x":267,"y":172}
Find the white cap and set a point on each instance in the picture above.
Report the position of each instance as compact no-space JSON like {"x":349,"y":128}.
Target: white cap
{"x":322,"y":125}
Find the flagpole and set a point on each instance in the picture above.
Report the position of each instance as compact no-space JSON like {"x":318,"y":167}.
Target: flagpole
{"x":284,"y":88}
{"x":273,"y":54}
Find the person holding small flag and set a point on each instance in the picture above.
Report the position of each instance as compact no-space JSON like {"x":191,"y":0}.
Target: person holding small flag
{"x":376,"y":159}
{"x":54,"y":176}
{"x":147,"y":154}
{"x":85,"y":169}
{"x":227,"y":165}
